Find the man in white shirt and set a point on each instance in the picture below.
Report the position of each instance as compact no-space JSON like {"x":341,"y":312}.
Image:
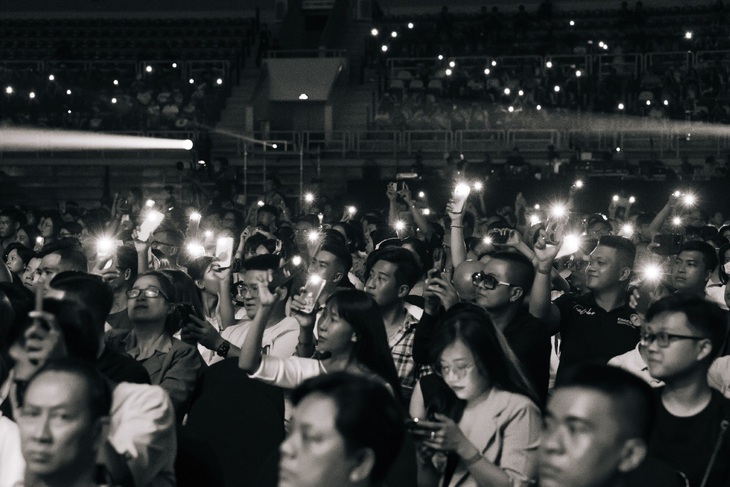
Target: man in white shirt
{"x":281,"y":333}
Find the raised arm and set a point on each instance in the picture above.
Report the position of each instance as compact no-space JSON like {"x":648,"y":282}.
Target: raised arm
{"x":540,"y":304}
{"x":250,"y":357}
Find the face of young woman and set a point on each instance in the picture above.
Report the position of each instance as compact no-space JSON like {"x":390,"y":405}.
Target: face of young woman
{"x":14,"y":262}
{"x":334,"y":334}
{"x":461,"y":372}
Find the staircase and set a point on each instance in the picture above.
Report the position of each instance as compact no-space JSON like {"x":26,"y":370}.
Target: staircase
{"x":233,"y":118}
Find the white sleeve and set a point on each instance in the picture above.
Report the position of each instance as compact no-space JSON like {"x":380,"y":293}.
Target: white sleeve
{"x":12,"y":465}
{"x":287,"y":372}
{"x":143,"y":431}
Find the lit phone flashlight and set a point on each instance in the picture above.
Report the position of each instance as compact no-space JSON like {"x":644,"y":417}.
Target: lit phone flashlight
{"x":351,"y":210}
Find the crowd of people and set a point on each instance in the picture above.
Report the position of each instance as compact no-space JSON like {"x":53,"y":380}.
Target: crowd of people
{"x":162,"y":343}
{"x":664,"y":64}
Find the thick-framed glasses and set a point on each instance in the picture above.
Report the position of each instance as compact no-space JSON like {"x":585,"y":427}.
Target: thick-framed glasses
{"x":663,"y":339}
{"x":459,"y":370}
{"x":150,"y":292}
{"x":244,"y":289}
{"x":486,"y":281}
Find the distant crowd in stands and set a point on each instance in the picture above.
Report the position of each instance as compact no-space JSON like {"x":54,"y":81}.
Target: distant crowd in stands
{"x":430,"y":78}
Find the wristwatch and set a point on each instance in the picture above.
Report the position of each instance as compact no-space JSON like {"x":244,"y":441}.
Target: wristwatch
{"x":223,"y":349}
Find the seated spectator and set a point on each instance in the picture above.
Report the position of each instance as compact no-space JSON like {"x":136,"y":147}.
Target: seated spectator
{"x":61,"y":448}
{"x":596,"y":431}
{"x":57,"y":258}
{"x":280,"y":331}
{"x":485,"y":420}
{"x":684,"y":334}
{"x":171,"y":363}
{"x":362,"y":425}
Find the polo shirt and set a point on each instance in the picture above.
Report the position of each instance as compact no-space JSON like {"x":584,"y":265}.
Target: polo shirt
{"x":590,"y":334}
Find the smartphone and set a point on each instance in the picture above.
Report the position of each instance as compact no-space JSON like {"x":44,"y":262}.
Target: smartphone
{"x":668,"y":244}
{"x":644,"y":301}
{"x":312,"y":290}
{"x":39,"y":242}
{"x":461,"y":194}
{"x":185,"y":310}
{"x":149,"y":225}
{"x":499,"y":236}
{"x":554,"y":231}
{"x":439,"y":259}
{"x":224,"y":251}
{"x":291,"y":269}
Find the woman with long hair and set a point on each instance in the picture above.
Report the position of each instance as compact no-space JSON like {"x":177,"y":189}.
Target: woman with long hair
{"x":351,"y":338}
{"x":477,"y":416}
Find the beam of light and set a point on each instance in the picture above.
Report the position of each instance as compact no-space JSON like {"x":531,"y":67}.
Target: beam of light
{"x":17,"y":139}
{"x":571,"y":244}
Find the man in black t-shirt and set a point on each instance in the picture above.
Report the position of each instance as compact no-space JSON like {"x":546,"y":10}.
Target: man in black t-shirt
{"x":502,"y":286}
{"x":684,"y":334}
{"x":596,"y":326}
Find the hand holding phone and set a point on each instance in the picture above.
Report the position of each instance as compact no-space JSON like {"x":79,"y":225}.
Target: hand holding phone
{"x":291,"y":269}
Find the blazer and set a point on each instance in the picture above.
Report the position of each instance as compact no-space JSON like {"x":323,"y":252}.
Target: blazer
{"x":508,"y":435}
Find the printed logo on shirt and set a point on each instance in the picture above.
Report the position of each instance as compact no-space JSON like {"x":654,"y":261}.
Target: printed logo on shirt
{"x":624,"y":321}
{"x":582,"y":310}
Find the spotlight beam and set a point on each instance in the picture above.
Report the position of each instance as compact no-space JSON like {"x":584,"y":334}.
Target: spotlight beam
{"x":33,"y":140}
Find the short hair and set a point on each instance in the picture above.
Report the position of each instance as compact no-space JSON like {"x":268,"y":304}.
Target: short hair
{"x":88,"y":291}
{"x":73,"y":227}
{"x":271,"y":209}
{"x":336,"y":246}
{"x":631,"y":396}
{"x":262,"y":262}
{"x":367,"y":416}
{"x":421,"y":248}
{"x":310,"y":219}
{"x":71,"y":257}
{"x":625,"y":249}
{"x":174,"y":236}
{"x":98,"y":390}
{"x":127,"y":259}
{"x":15,"y":215}
{"x":407,"y":270}
{"x":521,"y":270}
{"x":703,"y":315}
{"x":709,"y":256}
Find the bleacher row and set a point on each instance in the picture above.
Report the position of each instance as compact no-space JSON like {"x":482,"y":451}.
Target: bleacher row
{"x":533,"y":143}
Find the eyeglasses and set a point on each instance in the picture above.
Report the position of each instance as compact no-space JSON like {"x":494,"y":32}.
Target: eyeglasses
{"x":459,"y":370}
{"x":156,"y":243}
{"x":150,"y":292}
{"x":244,"y":289}
{"x":486,"y":281}
{"x":663,"y":339}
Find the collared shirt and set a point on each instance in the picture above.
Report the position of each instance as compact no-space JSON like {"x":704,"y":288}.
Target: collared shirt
{"x":401,"y":348}
{"x":153,"y":358}
{"x":590,"y":334}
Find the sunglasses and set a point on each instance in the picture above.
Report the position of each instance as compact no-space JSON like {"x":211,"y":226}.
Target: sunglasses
{"x":486,"y":281}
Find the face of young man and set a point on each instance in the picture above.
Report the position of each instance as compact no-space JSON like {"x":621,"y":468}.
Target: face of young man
{"x":604,"y":269}
{"x":7,"y":227}
{"x":501,"y":295}
{"x":582,"y":443}
{"x":381,"y":284}
{"x":682,"y":354}
{"x":688,"y":272}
